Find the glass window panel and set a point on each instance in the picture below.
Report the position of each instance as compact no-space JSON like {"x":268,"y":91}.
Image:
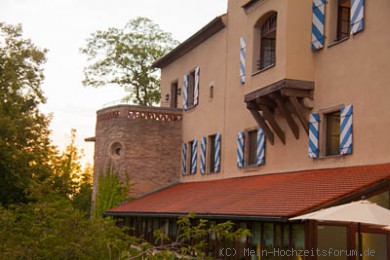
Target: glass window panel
{"x":332,"y":133}
{"x":268,"y":241}
{"x":298,"y":238}
{"x":332,"y":237}
{"x":374,"y":246}
{"x":255,"y":240}
{"x":252,"y":144}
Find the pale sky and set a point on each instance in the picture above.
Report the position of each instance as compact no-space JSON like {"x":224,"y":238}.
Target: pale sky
{"x":61,"y":26}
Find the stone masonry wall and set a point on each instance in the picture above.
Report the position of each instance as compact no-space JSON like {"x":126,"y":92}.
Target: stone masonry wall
{"x":142,"y":142}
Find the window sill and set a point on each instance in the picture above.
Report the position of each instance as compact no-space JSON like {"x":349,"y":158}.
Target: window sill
{"x":190,"y":109}
{"x":325,"y":157}
{"x":336,"y":42}
{"x":263,"y":69}
{"x":250,"y":168}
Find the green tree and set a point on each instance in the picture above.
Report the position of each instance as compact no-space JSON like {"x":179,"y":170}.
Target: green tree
{"x":25,"y":150}
{"x":125,"y":56}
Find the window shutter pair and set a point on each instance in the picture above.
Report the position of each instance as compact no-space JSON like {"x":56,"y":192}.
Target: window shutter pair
{"x":260,"y":151}
{"x":345,"y":132}
{"x":186,"y":79}
{"x":217,"y":155}
{"x":318,"y":21}
{"x":242,"y":59}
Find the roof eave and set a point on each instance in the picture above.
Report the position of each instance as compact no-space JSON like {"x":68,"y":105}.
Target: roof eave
{"x":196,"y":39}
{"x":200,"y":215}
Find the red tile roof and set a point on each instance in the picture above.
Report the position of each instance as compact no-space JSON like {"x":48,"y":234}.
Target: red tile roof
{"x":273,"y":195}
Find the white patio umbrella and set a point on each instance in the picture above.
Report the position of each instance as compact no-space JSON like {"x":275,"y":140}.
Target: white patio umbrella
{"x":360,"y":212}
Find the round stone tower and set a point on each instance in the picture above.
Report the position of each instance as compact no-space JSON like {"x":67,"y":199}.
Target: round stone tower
{"x":143,"y":143}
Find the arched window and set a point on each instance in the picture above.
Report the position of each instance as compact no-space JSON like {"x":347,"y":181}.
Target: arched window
{"x":267,"y":42}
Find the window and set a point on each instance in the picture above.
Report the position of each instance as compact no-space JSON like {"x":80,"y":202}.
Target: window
{"x":267,"y":43}
{"x":211,"y":154}
{"x":191,"y":89}
{"x":343,"y":19}
{"x":116,"y":149}
{"x":174,"y":94}
{"x":252,"y":147}
{"x":332,"y":133}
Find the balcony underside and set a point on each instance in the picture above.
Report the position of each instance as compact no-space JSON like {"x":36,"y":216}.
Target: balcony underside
{"x":289,"y":98}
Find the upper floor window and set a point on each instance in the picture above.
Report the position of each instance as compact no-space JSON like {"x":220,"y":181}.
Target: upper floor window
{"x":267,"y":43}
{"x":174,"y":94}
{"x":191,"y":89}
{"x":343,"y":19}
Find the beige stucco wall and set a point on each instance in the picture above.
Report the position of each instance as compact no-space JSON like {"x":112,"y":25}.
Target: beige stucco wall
{"x":355,"y":71}
{"x":207,"y":118}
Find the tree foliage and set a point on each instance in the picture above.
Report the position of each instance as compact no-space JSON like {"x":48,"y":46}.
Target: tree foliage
{"x":55,"y":230}
{"x":125,"y":56}
{"x":25,"y":149}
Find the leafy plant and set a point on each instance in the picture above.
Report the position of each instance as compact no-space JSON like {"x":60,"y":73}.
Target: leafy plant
{"x":111,"y":192}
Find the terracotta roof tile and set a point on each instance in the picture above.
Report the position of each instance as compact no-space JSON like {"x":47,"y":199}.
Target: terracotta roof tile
{"x":273,"y":195}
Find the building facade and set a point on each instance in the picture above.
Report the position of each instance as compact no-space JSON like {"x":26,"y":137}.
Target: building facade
{"x":284,"y":111}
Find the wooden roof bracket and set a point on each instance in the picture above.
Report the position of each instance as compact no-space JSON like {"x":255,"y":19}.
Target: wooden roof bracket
{"x":289,"y":97}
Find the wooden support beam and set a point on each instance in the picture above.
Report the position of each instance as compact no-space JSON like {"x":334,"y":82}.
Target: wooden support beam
{"x":297,"y":92}
{"x":286,"y":114}
{"x":299,"y":112}
{"x":266,"y":102}
{"x":263,"y":125}
{"x":252,"y":105}
{"x":275,"y":126}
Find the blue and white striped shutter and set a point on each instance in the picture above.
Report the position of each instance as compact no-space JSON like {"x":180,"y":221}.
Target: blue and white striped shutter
{"x":313,"y":135}
{"x":184,"y":158}
{"x":185,"y":90}
{"x":357,"y":16}
{"x":240,"y":149}
{"x":260,"y":155}
{"x":242,"y":59}
{"x":318,"y":21}
{"x":194,"y":156}
{"x":196,"y":86}
{"x":346,"y":130}
{"x":203,"y":155}
{"x":217,"y":155}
